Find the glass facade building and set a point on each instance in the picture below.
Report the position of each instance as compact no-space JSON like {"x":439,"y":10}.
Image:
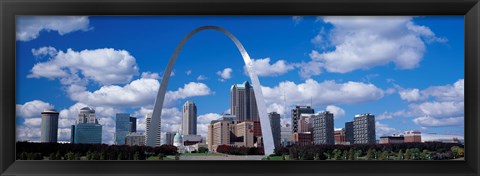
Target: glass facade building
{"x":122,"y":127}
{"x":87,"y":133}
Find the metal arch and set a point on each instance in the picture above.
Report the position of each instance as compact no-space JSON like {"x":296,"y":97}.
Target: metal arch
{"x":264,"y":121}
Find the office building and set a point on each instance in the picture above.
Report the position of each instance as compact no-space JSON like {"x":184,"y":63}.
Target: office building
{"x":189,"y":122}
{"x":133,"y":124}
{"x":123,"y":126}
{"x":243,"y":134}
{"x":302,"y":139}
{"x":396,"y":139}
{"x":305,"y":123}
{"x":191,"y":139}
{"x":286,"y":135}
{"x":133,"y":139}
{"x":49,"y":128}
{"x":340,"y":137}
{"x":242,"y":102}
{"x":219,"y":133}
{"x":413,"y":136}
{"x":322,"y":128}
{"x":148,"y":119}
{"x":169,"y":138}
{"x":349,"y":132}
{"x":364,"y":129}
{"x":86,"y":130}
{"x":275,"y":126}
{"x":297,"y":113}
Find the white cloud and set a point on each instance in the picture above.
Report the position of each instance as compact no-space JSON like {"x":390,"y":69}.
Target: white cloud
{"x":32,"y":109}
{"x":105,"y":66}
{"x":428,"y":121}
{"x":188,"y":72}
{"x":44,"y":51}
{"x":25,"y":133}
{"x":263,"y":67}
{"x":440,"y":137}
{"x":384,"y":129}
{"x":323,"y":93}
{"x":140,"y":92}
{"x":33,"y":122}
{"x":29,"y":27}
{"x":434,"y":106}
{"x":337,"y":111}
{"x":310,"y":69}
{"x":411,"y":95}
{"x":367,"y":42}
{"x":201,"y":78}
{"x":297,"y":19}
{"x":207,"y":118}
{"x":225,"y":74}
{"x":150,"y":75}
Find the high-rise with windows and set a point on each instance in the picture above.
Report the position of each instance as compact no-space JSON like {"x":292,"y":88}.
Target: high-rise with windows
{"x":275,"y":125}
{"x":364,"y":129}
{"x":86,"y":130}
{"x":242,"y":102}
{"x":189,"y":122}
{"x":297,"y":114}
{"x":124,"y":124}
{"x":323,"y":128}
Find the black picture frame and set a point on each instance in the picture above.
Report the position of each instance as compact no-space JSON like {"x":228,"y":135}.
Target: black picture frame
{"x":470,"y":9}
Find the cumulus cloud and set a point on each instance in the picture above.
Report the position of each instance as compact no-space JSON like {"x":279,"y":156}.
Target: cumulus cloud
{"x":32,"y":109}
{"x":203,"y":122}
{"x":201,"y":78}
{"x":366,"y":42}
{"x":384,"y":129}
{"x":29,"y":27}
{"x":263,"y":67}
{"x":105,"y":66}
{"x":434,"y":106}
{"x":47,"y":51}
{"x":337,"y":111}
{"x":322,"y":93}
{"x":225,"y":74}
{"x":188,"y":72}
{"x":150,"y":75}
{"x":297,"y":19}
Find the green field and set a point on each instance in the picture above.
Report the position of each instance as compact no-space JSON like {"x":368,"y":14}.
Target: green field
{"x":202,"y":154}
{"x":276,"y":158}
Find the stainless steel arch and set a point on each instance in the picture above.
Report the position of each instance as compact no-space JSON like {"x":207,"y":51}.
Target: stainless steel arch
{"x":262,"y":110}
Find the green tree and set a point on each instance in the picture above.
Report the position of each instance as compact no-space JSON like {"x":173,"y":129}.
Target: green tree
{"x":77,"y":156}
{"x":337,"y":154}
{"x":58,"y":156}
{"x":383,"y":155}
{"x":317,"y":156}
{"x":351,"y":154}
{"x":400,"y":155}
{"x":177,"y":156}
{"x":285,"y":158}
{"x":160,"y":156}
{"x":136,"y":156}
{"x":370,"y":154}
{"x":70,"y":156}
{"x":408,"y":155}
{"x":52,"y":156}
{"x":454,"y":151}
{"x":120,"y":156}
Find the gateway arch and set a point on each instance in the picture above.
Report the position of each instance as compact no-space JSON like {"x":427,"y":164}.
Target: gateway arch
{"x":262,"y":110}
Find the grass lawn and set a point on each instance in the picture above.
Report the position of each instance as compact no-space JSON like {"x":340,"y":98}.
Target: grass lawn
{"x":156,"y":158}
{"x":202,"y":154}
{"x":276,"y":158}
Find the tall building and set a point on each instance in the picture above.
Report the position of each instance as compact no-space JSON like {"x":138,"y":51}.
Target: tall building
{"x":148,"y":119}
{"x":297,"y":113}
{"x":286,"y":135}
{"x":87,"y":130}
{"x":275,"y":125}
{"x":189,"y":123}
{"x":219,"y":133}
{"x":169,"y":138}
{"x":349,"y":132}
{"x":413,"y":136}
{"x":305,"y":123}
{"x":323,"y":128}
{"x":242,"y":102}
{"x":395,"y":139}
{"x":243,"y":134}
{"x":123,"y":126}
{"x":364,"y":129}
{"x":133,"y":124}
{"x":302,"y":138}
{"x":49,"y":128}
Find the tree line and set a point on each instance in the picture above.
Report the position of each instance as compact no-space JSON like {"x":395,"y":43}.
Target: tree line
{"x":58,"y":151}
{"x":402,"y":151}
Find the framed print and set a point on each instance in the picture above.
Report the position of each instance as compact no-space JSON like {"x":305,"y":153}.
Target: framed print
{"x":280,"y":88}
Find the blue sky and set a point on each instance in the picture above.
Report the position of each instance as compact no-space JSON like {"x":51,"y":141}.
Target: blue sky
{"x":408,"y":71}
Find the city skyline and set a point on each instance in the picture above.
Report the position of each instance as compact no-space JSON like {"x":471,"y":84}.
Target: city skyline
{"x":288,"y":65}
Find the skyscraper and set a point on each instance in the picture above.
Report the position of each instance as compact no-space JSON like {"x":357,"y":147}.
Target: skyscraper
{"x":133,"y":124}
{"x":49,"y":128}
{"x":349,"y":132}
{"x":323,"y":128}
{"x":87,"y":130}
{"x":297,"y":113}
{"x":122,"y":127}
{"x":148,"y":119}
{"x":242,"y":102}
{"x":364,"y":129}
{"x":275,"y":125}
{"x":169,"y":138}
{"x":189,"y":123}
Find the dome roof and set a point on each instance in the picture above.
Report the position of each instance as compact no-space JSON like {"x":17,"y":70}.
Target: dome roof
{"x":88,"y":109}
{"x":178,"y":136}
